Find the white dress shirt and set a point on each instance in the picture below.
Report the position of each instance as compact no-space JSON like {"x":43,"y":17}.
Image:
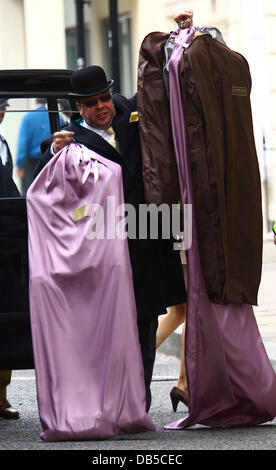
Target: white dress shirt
{"x":102,"y":133}
{"x":3,"y":152}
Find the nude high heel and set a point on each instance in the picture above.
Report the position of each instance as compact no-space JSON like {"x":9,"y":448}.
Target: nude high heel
{"x":178,"y":395}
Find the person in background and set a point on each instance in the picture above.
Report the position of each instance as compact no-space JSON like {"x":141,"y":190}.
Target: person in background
{"x":7,"y":189}
{"x":34,"y":128}
{"x":5,"y":154}
{"x":66,"y":109}
{"x":6,"y":410}
{"x":168,"y":323}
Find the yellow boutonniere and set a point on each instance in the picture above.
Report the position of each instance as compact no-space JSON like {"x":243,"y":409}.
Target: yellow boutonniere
{"x":134,"y":117}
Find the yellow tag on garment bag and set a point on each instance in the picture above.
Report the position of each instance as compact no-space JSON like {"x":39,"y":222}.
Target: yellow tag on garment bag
{"x":134,"y":117}
{"x":79,"y":213}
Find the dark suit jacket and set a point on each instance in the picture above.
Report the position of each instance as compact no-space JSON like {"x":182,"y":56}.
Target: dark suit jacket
{"x":8,"y":164}
{"x":157,"y":272}
{"x":8,"y":187}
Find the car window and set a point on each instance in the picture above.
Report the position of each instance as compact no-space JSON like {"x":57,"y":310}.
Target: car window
{"x":25,"y":123}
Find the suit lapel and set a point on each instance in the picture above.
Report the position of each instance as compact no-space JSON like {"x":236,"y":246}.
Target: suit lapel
{"x":95,"y":142}
{"x":120,"y":125}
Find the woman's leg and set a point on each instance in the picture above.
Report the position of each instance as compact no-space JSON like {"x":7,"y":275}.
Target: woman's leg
{"x":168,"y":323}
{"x":176,"y":315}
{"x":182,"y":378}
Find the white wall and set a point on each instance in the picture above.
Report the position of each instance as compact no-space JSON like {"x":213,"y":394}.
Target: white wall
{"x":32,"y":34}
{"x":45,"y":34}
{"x":12,"y":43}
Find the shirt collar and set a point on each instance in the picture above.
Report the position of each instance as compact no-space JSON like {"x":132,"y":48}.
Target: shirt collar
{"x":101,"y":132}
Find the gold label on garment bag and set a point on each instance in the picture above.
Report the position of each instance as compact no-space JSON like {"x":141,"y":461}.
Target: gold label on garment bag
{"x":79,"y":213}
{"x":239,"y":90}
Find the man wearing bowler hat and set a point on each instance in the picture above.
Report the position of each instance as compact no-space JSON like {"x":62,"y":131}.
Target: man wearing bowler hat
{"x":109,"y":126}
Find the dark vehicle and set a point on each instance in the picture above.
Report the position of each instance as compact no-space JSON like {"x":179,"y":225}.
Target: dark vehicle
{"x":15,"y":332}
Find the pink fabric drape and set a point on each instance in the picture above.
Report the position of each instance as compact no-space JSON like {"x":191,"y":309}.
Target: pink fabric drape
{"x":89,"y":372}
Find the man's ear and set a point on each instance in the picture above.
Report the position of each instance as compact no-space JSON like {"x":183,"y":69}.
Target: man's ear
{"x":79,"y":107}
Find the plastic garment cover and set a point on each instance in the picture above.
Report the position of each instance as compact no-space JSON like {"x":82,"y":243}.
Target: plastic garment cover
{"x":214,"y":32}
{"x":230,"y":379}
{"x":90,"y":380}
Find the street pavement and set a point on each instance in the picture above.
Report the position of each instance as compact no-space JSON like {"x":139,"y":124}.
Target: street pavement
{"x":23,"y":434}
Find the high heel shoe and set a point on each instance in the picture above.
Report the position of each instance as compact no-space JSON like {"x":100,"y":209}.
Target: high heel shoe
{"x":178,"y":395}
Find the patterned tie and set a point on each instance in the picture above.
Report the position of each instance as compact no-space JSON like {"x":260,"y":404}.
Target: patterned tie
{"x":111,"y":134}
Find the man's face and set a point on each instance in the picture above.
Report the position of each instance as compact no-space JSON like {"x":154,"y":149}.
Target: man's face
{"x":98,"y":111}
{"x":2,"y":114}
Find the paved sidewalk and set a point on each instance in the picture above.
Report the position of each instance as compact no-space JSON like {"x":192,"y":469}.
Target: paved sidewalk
{"x":265,"y":312}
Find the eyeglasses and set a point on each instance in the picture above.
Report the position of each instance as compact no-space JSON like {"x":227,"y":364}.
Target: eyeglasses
{"x":94,"y":101}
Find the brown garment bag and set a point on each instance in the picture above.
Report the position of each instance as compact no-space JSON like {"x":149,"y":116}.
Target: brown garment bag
{"x":216,"y":87}
{"x":160,"y":174}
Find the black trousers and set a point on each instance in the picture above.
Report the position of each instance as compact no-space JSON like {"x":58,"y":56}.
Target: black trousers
{"x":29,"y":168}
{"x":147,"y":328}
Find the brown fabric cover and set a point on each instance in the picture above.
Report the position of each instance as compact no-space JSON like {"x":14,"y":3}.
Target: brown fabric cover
{"x":160,"y":172}
{"x":216,"y":86}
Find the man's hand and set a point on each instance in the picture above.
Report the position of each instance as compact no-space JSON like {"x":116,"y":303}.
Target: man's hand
{"x":274,"y":239}
{"x":185,"y":19}
{"x":20,"y":172}
{"x":61,"y":139}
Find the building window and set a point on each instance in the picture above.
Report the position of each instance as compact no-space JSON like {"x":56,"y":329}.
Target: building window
{"x":124,"y":37}
{"x":71,"y":33}
{"x":71,"y":47}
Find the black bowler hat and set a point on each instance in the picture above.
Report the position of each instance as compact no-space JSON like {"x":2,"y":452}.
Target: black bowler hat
{"x":89,"y":81}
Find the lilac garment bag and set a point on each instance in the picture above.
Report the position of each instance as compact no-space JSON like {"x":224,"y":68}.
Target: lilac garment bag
{"x":230,"y":379}
{"x":89,"y":372}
